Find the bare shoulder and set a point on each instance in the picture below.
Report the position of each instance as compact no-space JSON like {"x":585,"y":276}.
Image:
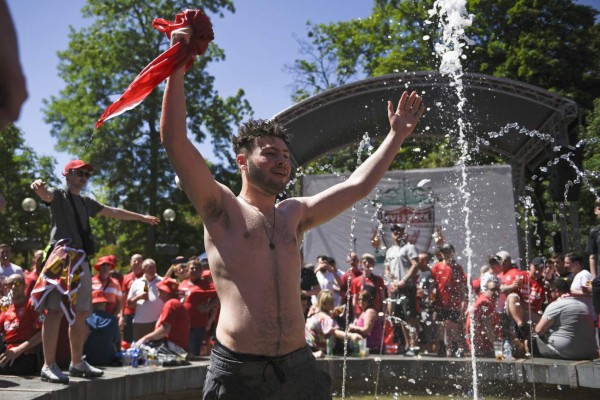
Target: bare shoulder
{"x":294,"y":210}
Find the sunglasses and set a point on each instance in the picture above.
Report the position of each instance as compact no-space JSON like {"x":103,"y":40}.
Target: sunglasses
{"x":81,"y":173}
{"x":15,"y":283}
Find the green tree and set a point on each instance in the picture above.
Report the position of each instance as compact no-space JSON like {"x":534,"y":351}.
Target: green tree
{"x":132,"y":170}
{"x":553,"y":44}
{"x":19,"y":166}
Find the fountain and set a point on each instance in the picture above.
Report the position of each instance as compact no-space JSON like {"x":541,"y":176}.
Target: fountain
{"x":453,"y":22}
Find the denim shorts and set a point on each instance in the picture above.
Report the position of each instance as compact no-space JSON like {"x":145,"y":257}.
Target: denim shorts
{"x":294,"y":376}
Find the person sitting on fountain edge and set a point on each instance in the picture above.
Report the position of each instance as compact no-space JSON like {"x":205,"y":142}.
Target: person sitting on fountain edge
{"x":21,"y":326}
{"x":253,"y":245}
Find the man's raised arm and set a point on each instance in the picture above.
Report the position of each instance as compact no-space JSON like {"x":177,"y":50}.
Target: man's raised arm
{"x":196,"y":179}
{"x":329,"y":203}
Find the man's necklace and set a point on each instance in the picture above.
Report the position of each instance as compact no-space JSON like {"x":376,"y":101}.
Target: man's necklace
{"x":263,"y":222}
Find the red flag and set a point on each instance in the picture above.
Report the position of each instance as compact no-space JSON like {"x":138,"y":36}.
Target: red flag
{"x":167,"y":63}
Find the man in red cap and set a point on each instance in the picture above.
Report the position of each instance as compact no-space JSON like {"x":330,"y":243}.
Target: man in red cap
{"x":173,"y":325}
{"x":70,"y":212}
{"x":110,"y":287}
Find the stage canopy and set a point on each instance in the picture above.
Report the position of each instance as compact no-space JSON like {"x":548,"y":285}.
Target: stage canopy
{"x":340,"y":116}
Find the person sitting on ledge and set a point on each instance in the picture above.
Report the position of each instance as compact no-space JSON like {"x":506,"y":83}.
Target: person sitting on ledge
{"x":104,"y":340}
{"x":566,"y":330}
{"x":369,"y":325}
{"x":173,"y":325}
{"x":486,"y":328}
{"x":320,"y":325}
{"x":525,"y":302}
{"x":21,"y":326}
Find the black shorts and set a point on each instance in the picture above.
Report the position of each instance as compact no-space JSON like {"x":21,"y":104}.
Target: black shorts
{"x":294,"y":376}
{"x":449,"y":315}
{"x":405,"y":302}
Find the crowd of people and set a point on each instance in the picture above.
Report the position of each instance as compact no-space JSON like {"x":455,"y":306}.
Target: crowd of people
{"x":252,"y":243}
{"x":179,"y":311}
{"x":418,"y":306}
{"x":421,"y":304}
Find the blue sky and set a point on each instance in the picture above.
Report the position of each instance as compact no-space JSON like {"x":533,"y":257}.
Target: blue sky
{"x":259,"y":40}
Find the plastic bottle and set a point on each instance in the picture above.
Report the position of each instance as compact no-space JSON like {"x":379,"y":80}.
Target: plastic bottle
{"x":135,"y":352}
{"x":507,"y":350}
{"x":330,"y":345}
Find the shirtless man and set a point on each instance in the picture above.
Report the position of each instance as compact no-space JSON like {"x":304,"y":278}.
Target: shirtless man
{"x":253,"y":246}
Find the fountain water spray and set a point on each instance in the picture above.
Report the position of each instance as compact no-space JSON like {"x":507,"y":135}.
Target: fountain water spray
{"x":453,"y":19}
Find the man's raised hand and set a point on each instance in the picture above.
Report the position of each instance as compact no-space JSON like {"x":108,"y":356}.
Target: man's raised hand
{"x":404,"y":119}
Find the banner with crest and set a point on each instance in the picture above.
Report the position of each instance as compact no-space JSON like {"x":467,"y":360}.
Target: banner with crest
{"x":429,"y":203}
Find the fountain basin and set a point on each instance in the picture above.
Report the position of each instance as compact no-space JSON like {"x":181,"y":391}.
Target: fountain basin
{"x":415,"y":375}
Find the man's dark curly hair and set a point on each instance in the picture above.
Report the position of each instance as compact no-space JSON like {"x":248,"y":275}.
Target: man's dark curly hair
{"x":255,"y":128}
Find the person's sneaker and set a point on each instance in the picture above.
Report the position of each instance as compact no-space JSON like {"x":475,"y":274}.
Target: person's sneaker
{"x":52,"y":373}
{"x":412,"y":352}
{"x":83,"y":369}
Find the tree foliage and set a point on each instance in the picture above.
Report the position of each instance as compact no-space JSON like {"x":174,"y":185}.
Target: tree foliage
{"x":132,"y":170}
{"x":19,"y":166}
{"x":553,"y":44}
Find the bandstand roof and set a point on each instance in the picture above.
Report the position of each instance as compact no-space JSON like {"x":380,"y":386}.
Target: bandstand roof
{"x":342,"y":115}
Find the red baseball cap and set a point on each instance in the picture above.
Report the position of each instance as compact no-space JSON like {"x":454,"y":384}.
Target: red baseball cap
{"x":77,"y":164}
{"x":206,"y":274}
{"x":168,"y":285}
{"x":110,"y":260}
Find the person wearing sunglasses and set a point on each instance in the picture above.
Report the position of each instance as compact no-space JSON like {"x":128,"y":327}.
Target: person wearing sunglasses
{"x":21,"y":326}
{"x":70,"y":212}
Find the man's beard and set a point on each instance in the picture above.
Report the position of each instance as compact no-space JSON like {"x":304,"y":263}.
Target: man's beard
{"x":259,"y":178}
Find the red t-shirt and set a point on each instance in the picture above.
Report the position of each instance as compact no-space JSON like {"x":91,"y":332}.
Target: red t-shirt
{"x":451,"y":284}
{"x":175,"y":314}
{"x":197,"y":296}
{"x":184,"y":289}
{"x":530,"y":292}
{"x":484,"y":309}
{"x":30,"y":281}
{"x":373,"y":281}
{"x":19,"y":323}
{"x":125,"y":286}
{"x":112,"y":292}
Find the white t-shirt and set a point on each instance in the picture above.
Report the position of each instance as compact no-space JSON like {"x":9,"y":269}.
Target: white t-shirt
{"x":399,"y":259}
{"x":146,"y":311}
{"x":11,"y":269}
{"x":392,"y":256}
{"x":581,"y":279}
{"x":327,"y":281}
